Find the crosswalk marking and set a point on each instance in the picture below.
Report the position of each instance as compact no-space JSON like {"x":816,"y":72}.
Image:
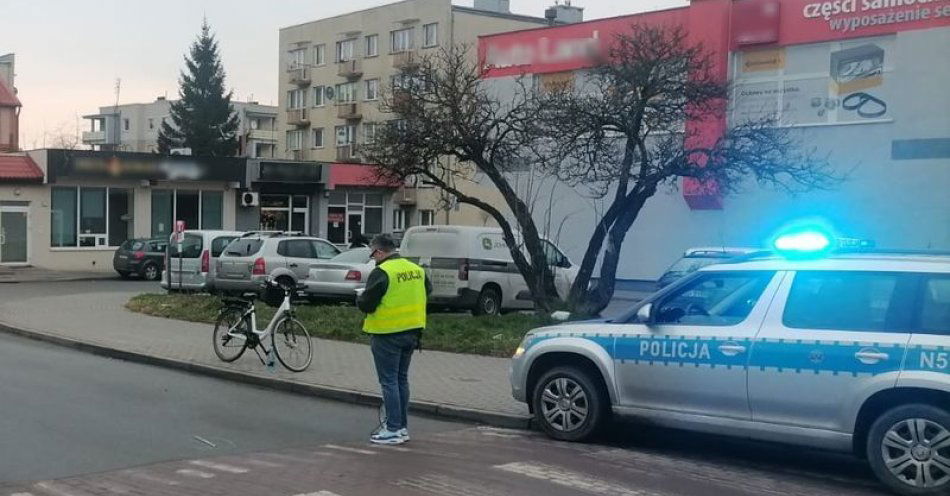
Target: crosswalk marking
{"x":574,"y":480}
{"x":22,"y":494}
{"x":194,"y":473}
{"x":319,"y":493}
{"x":220,"y":467}
{"x":150,"y":478}
{"x":262,"y":463}
{"x":350,"y":450}
{"x":443,"y":485}
{"x":56,"y":490}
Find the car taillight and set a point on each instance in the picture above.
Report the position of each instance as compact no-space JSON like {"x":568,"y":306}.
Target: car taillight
{"x":260,"y":268}
{"x":205,"y":261}
{"x":354,"y":275}
{"x":139,"y":255}
{"x":463,"y":269}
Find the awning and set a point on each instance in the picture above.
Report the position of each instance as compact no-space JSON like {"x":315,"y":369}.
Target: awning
{"x":19,"y":168}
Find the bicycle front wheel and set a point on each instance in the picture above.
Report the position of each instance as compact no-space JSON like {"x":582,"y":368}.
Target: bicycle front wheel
{"x":230,"y":335}
{"x":292,"y":345}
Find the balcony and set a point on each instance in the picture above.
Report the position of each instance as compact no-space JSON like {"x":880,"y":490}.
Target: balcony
{"x":298,"y":117}
{"x":94,"y":137}
{"x":349,"y":69}
{"x":406,"y":60}
{"x":300,"y":154}
{"x":347,"y":153}
{"x":349,"y":111}
{"x":299,"y":76}
{"x":406,"y":196}
{"x":262,"y":135}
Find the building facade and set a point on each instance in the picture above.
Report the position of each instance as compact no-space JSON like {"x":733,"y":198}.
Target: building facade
{"x":134,"y":127}
{"x":858,"y":83}
{"x":333,"y":71}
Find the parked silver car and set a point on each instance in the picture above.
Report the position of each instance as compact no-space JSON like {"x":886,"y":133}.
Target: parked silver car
{"x":247,"y":261}
{"x":193,"y":267}
{"x":340,"y":276}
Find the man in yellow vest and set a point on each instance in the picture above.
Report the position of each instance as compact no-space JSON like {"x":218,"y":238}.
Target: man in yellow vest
{"x":395,"y":305}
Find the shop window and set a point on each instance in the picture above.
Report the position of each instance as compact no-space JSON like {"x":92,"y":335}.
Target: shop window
{"x":63,"y":217}
{"x":90,"y":217}
{"x":212,"y":209}
{"x":187,"y":207}
{"x":163,"y":211}
{"x":285,"y":212}
{"x":337,"y":198}
{"x":374,"y":220}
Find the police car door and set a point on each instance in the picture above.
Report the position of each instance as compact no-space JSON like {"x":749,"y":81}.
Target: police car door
{"x":692,"y":357}
{"x":928,"y":355}
{"x":830,"y":339}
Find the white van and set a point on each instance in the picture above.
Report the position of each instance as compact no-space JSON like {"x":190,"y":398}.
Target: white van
{"x":193,"y":268}
{"x":471,"y":267}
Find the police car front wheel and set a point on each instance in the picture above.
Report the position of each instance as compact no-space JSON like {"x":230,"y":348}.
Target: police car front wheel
{"x":569,"y":404}
{"x":909,"y":449}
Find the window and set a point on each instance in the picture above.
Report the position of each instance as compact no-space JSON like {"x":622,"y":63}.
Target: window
{"x":297,"y":58}
{"x":858,"y":301}
{"x":373,"y":213}
{"x":554,"y":256}
{"x":191,"y":247}
{"x":151,"y":123}
{"x":426,"y":217}
{"x":400,"y":219}
{"x":346,"y":50}
{"x":372,"y":45}
{"x":372,"y":89}
{"x":714,"y":299}
{"x":219,"y":244}
{"x":369,"y":132}
{"x":324,"y":250}
{"x":90,"y":217}
{"x":295,"y":139}
{"x":318,"y":96}
{"x":296,"y":99}
{"x":400,"y":40}
{"x":285,"y":213}
{"x":345,"y":135}
{"x":318,"y":137}
{"x":199,"y":210}
{"x":319,"y":54}
{"x":430,"y":34}
{"x":296,"y":248}
{"x":935,"y":311}
{"x":346,"y":93}
{"x":125,"y":124}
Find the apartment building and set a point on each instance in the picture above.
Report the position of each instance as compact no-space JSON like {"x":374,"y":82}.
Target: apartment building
{"x":134,"y":127}
{"x":332,"y":73}
{"x":9,"y":106}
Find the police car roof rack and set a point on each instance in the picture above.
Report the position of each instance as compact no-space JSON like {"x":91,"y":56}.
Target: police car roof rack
{"x":271,"y":234}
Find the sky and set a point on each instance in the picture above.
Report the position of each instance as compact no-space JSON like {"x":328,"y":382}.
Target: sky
{"x":69,"y":53}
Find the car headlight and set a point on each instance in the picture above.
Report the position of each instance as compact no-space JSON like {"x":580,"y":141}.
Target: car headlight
{"x":523,"y":346}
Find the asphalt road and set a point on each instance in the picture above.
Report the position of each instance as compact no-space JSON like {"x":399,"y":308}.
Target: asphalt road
{"x":64,"y":412}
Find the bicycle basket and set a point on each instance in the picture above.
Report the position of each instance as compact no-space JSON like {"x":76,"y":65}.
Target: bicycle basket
{"x":273,"y":295}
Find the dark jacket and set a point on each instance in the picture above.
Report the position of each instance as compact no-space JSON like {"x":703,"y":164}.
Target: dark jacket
{"x":376,"y":286}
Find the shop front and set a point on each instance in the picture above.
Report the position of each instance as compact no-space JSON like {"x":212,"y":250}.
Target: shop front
{"x":21,"y":186}
{"x":283,"y":196}
{"x":358,"y":204}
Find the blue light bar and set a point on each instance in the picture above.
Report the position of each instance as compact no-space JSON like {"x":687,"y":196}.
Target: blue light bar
{"x":805,"y":242}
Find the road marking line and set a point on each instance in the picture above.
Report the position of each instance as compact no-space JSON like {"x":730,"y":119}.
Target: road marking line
{"x":150,"y":478}
{"x":566,"y":478}
{"x":194,"y":473}
{"x":350,"y":450}
{"x":22,"y":494}
{"x":399,"y":449}
{"x":319,"y":493}
{"x":231,"y":469}
{"x":56,"y":490}
{"x":262,"y":463}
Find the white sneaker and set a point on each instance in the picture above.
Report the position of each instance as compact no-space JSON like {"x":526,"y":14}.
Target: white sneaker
{"x":404,"y":432}
{"x":387,"y":436}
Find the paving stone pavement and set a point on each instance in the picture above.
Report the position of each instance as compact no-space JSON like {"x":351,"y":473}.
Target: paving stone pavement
{"x":97,"y":315}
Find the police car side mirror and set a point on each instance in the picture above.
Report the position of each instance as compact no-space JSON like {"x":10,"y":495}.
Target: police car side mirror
{"x":645,"y":314}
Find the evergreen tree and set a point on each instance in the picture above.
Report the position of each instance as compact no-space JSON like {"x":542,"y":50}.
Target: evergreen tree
{"x":203,"y":118}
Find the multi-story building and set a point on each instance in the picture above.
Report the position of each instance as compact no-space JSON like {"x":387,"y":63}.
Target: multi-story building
{"x":9,"y":106}
{"x":332,"y":73}
{"x":134,"y":127}
{"x":859,"y":85}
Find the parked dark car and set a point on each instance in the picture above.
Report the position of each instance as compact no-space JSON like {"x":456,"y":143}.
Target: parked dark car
{"x":140,"y":257}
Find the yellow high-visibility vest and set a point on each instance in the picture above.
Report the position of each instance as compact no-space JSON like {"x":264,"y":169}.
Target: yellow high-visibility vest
{"x":403,"y":307}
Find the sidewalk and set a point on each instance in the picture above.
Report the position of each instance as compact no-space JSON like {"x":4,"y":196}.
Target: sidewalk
{"x":36,"y":274}
{"x":94,"y":319}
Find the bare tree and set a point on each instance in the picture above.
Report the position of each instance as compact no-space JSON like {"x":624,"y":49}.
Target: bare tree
{"x":449,"y":130}
{"x":626,"y":129}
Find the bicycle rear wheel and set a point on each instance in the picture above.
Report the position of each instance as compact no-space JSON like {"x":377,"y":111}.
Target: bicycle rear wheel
{"x":292,"y":345}
{"x":227,"y":346}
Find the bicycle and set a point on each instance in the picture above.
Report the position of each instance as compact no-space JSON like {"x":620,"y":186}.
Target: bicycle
{"x":236,"y":330}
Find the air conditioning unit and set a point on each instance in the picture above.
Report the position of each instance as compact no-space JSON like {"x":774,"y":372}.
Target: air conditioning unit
{"x":250,"y":199}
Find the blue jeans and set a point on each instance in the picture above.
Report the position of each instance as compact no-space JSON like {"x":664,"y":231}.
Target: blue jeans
{"x":392,"y":354}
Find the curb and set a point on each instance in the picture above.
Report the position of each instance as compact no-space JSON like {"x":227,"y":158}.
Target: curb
{"x":451,"y":412}
{"x":64,"y":279}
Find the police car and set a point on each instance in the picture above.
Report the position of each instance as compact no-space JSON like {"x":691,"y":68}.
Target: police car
{"x":847,"y":351}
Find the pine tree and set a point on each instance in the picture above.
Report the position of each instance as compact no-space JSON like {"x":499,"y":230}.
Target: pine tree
{"x":203,"y":118}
